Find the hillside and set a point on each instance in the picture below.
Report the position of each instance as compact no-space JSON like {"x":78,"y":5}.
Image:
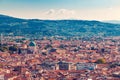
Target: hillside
{"x":113,"y":21}
{"x":37,"y":27}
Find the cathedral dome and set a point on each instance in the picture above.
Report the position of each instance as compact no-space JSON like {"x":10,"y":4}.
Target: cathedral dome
{"x":32,"y":44}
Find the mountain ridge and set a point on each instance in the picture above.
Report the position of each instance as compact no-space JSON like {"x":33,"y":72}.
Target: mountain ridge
{"x":113,"y":21}
{"x":37,"y":27}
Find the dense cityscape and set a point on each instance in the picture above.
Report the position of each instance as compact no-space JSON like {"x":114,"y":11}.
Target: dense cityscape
{"x":59,"y":39}
{"x":59,"y":59}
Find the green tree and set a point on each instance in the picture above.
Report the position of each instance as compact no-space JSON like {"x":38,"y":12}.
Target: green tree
{"x":48,"y":46}
{"x":13,"y":48}
{"x":101,"y":61}
{"x":3,"y":48}
{"x":1,"y":65}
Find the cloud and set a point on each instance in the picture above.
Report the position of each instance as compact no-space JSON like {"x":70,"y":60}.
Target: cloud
{"x":60,"y":14}
{"x":51,"y":11}
{"x":65,"y":11}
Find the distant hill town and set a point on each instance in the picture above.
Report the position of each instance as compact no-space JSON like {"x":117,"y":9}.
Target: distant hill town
{"x":36,"y":27}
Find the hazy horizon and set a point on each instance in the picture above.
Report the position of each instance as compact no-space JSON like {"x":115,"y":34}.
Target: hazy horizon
{"x":62,"y":9}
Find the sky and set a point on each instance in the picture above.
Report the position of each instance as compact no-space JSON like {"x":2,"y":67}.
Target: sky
{"x":62,"y":9}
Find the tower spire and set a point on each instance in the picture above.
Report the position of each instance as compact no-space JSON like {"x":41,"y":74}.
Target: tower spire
{"x":1,"y":39}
